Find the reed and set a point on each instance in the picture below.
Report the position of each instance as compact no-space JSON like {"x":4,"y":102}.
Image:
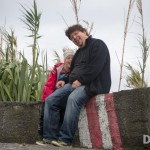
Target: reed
{"x":131,"y":3}
{"x":20,"y":81}
{"x":136,"y":79}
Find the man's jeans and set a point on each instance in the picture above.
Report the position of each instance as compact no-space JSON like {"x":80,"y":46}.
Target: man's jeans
{"x":72,"y":100}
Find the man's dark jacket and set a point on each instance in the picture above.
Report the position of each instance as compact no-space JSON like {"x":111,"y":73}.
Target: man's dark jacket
{"x":91,"y":67}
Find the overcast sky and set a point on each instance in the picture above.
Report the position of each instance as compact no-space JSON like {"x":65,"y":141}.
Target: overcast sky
{"x":108,"y":17}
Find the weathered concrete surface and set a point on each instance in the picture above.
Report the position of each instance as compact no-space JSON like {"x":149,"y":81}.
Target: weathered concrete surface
{"x":15,"y":146}
{"x":133,"y":113}
{"x":119,"y":120}
{"x":19,"y":121}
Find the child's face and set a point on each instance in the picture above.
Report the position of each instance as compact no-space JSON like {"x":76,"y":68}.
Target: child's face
{"x":68,"y":60}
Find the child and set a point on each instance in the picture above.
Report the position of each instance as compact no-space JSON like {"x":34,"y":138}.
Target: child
{"x":60,"y":72}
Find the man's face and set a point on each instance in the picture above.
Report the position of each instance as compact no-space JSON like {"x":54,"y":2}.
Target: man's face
{"x":78,"y":38}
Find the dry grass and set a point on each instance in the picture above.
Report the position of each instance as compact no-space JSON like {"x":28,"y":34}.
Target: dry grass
{"x":131,"y":3}
{"x":136,"y":79}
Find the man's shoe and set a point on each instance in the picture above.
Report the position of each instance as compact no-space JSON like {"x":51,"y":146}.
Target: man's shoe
{"x":59,"y":143}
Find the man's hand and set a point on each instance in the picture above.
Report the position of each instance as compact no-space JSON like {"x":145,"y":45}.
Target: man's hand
{"x":76,"y":84}
{"x":60,"y":84}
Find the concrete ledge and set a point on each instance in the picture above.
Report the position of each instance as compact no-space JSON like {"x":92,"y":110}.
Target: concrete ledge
{"x":116,"y":121}
{"x":112,"y":121}
{"x":19,"y":122}
{"x":16,"y":146}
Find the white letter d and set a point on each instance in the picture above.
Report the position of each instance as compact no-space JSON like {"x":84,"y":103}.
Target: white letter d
{"x":146,"y":139}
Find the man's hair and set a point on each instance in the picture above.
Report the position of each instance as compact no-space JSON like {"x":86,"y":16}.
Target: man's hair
{"x":73,"y":28}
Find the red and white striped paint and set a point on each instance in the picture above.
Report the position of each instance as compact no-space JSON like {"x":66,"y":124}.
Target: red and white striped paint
{"x":98,"y":125}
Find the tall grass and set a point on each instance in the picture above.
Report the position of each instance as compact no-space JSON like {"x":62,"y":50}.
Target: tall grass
{"x":10,"y":43}
{"x":136,"y":79}
{"x":20,"y":81}
{"x":143,"y":42}
{"x":76,"y":4}
{"x":131,"y":3}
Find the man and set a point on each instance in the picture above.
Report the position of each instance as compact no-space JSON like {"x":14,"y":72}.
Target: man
{"x":89,"y":76}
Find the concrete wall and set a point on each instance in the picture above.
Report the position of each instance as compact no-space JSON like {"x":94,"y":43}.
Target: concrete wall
{"x":112,"y":121}
{"x":19,"y":122}
{"x":116,"y":121}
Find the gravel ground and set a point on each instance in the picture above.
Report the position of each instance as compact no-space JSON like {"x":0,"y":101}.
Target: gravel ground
{"x":15,"y":146}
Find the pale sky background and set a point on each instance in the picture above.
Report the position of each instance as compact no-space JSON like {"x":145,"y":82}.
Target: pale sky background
{"x":108,"y":17}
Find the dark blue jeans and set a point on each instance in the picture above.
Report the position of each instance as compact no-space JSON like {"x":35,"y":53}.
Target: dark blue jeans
{"x":64,"y":98}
